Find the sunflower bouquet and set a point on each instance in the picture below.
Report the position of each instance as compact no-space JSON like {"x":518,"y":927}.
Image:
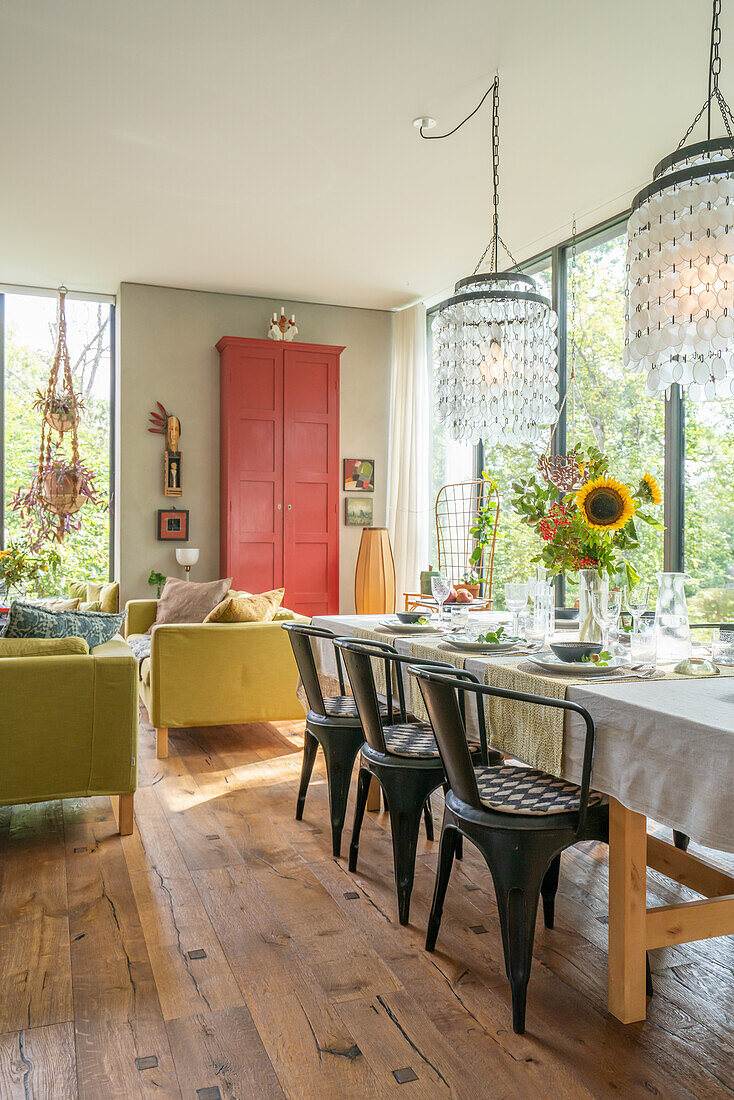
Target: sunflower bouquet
{"x":585,"y":518}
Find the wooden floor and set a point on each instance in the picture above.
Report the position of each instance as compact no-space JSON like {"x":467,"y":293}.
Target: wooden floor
{"x":220,"y":951}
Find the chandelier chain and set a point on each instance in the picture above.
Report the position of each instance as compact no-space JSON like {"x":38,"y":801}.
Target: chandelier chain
{"x":714,"y":92}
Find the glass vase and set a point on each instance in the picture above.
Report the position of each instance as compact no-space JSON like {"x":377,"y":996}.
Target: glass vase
{"x":589,"y":582}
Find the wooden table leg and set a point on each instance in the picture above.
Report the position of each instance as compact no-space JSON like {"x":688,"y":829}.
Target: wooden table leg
{"x":627,"y":913}
{"x":373,"y":798}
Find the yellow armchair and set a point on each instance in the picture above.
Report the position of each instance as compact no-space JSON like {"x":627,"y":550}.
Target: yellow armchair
{"x":69,"y":727}
{"x":214,"y":674}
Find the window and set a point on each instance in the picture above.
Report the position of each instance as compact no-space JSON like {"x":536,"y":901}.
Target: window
{"x":709,"y":509}
{"x":28,"y":325}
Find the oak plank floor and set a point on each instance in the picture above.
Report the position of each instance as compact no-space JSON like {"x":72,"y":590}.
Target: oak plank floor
{"x":224,"y":949}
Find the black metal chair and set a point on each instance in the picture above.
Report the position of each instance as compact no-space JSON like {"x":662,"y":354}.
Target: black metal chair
{"x":402,"y":756}
{"x":520,"y":819}
{"x":332,"y":722}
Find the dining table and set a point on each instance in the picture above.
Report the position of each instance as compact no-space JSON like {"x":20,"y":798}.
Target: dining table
{"x":664,"y":750}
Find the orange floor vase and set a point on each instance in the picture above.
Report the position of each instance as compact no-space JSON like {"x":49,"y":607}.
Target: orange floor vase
{"x":374,"y":580}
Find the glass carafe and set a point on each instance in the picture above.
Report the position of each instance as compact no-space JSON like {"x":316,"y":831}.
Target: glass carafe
{"x":589,"y":582}
{"x":672,"y":629}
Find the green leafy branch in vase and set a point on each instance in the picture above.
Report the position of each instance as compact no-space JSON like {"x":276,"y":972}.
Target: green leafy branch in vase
{"x":482,"y":527}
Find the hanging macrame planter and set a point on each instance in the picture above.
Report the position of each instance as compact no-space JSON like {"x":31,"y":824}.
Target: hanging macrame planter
{"x":62,"y":484}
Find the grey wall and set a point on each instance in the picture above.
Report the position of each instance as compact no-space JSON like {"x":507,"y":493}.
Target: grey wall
{"x":166,"y":353}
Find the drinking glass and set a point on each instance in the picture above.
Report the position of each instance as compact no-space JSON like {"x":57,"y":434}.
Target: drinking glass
{"x":605,"y":607}
{"x":644,"y":646}
{"x":440,"y":587}
{"x":722,"y":648}
{"x":459,"y":617}
{"x":636,"y":599}
{"x":516,"y":597}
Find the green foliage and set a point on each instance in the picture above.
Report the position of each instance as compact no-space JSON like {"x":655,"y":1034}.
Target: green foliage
{"x":482,"y":528}
{"x":22,"y":568}
{"x":157,"y":580}
{"x":84,"y":553}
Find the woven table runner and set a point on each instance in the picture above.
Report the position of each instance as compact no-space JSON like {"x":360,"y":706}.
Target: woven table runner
{"x":534,"y":733}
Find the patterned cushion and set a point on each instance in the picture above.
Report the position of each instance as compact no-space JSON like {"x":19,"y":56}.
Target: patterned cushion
{"x":515,"y":790}
{"x":95,"y":627}
{"x":343,"y":706}
{"x":414,"y":739}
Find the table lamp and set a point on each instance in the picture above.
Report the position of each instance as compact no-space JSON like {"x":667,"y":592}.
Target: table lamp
{"x":187,"y":556}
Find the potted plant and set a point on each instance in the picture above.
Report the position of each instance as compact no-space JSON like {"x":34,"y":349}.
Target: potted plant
{"x":22,"y":568}
{"x":61,"y":411}
{"x":470,"y":582}
{"x":59,"y":489}
{"x":157,"y":580}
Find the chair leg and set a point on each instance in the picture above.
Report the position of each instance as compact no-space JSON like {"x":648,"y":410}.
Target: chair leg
{"x":518,"y":877}
{"x":161,"y":743}
{"x":310,"y":745}
{"x":428,"y":818}
{"x":681,"y":840}
{"x":459,"y":854}
{"x":548,"y":890}
{"x":405,"y":800}
{"x":363,"y":789}
{"x":340,"y":755}
{"x":447,"y":851}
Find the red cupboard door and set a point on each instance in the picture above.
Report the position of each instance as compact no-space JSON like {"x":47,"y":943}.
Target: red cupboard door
{"x":311,"y":480}
{"x":251,"y":547}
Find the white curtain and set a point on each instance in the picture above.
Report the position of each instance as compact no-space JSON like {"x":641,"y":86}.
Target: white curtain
{"x":408,"y":468}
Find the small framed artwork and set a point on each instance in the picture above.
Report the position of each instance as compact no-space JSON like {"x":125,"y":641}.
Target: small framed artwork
{"x":358,"y":512}
{"x":173,"y":525}
{"x":359,"y":475}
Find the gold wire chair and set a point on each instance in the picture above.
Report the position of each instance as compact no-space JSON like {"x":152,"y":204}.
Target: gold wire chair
{"x":457,"y":505}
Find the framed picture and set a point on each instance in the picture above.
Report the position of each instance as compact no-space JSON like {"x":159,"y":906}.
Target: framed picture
{"x":359,"y":475}
{"x":173,"y":525}
{"x":358,"y":512}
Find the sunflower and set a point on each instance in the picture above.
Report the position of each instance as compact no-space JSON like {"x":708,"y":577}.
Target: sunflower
{"x":649,"y":489}
{"x":606,"y":504}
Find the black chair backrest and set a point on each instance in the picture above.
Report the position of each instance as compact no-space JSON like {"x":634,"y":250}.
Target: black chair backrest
{"x":439,"y":692}
{"x":300,"y":635}
{"x":358,"y":656}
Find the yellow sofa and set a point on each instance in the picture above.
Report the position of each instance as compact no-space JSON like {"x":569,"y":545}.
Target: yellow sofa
{"x":214,"y":674}
{"x":69,"y":727}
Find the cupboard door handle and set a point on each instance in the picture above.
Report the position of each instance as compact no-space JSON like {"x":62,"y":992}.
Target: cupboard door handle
{"x":289,"y":507}
{"x":280,"y":506}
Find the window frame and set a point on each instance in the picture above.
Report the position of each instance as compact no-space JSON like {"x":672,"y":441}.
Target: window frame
{"x":106,"y":299}
{"x":674,"y":433}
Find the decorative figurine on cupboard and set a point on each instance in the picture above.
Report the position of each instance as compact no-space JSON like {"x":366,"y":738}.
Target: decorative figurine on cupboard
{"x":281,"y":328}
{"x":170,"y":426}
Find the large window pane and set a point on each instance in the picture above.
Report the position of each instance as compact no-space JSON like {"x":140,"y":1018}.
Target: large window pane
{"x":516,"y":543}
{"x":709,"y":509}
{"x":613,"y":413}
{"x":30,"y":338}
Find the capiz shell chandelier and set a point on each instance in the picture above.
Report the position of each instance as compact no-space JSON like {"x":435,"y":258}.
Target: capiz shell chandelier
{"x":679,"y":315}
{"x":494,"y":349}
{"x":495,"y":342}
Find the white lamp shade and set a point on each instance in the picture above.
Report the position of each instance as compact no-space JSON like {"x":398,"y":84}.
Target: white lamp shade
{"x":186,"y":555}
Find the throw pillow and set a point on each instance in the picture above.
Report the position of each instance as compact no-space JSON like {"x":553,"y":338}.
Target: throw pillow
{"x":42,"y":647}
{"x":57,"y":605}
{"x":283,"y":614}
{"x":27,"y":621}
{"x":189,"y":601}
{"x":247,"y":609}
{"x":95,"y":605}
{"x":77,"y":590}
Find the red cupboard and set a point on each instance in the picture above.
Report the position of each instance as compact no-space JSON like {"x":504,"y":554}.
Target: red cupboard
{"x":279,"y":470}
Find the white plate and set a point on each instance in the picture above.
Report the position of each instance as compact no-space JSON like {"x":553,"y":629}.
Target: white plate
{"x":551,"y":663}
{"x":483,"y":647}
{"x":397,"y":627}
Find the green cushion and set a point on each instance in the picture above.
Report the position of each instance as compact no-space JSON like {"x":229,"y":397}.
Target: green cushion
{"x":77,"y":590}
{"x":95,"y":605}
{"x":42,"y":647}
{"x":96,"y":595}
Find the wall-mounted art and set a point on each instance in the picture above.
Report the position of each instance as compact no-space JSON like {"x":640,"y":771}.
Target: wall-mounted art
{"x":358,"y":512}
{"x":170,"y":426}
{"x":173,"y":525}
{"x":359,"y":475}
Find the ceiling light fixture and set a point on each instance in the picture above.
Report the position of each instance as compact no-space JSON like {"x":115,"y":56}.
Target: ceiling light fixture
{"x":495,"y":340}
{"x":679,"y":317}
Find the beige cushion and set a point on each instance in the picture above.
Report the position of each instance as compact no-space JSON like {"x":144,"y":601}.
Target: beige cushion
{"x":57,"y":605}
{"x":247,"y":608}
{"x":189,"y":601}
{"x":107,"y":596}
{"x":42,"y":647}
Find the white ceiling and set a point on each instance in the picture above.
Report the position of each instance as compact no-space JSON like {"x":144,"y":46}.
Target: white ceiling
{"x":267,"y":148}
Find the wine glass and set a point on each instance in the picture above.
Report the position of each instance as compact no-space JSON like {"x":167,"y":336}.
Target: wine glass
{"x":516,"y":597}
{"x":440,"y":587}
{"x":636,"y":599}
{"x":605,"y":607}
